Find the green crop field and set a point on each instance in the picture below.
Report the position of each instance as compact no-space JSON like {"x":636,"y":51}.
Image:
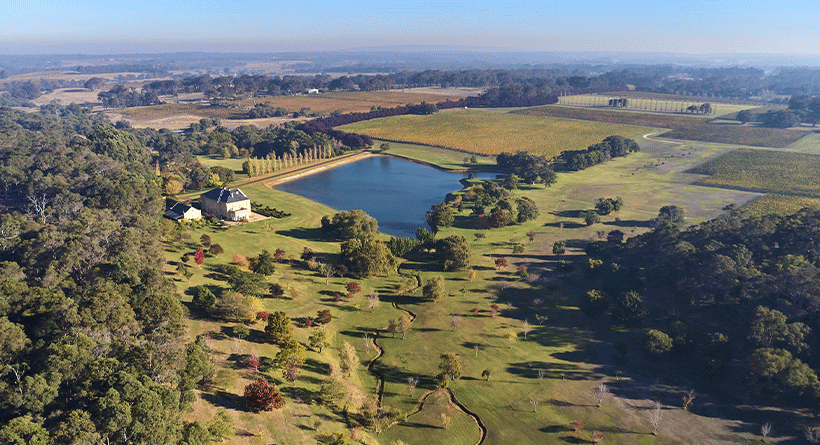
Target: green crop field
{"x":764,"y":170}
{"x":654,"y":104}
{"x":493,"y":133}
{"x":779,"y":205}
{"x":682,"y":127}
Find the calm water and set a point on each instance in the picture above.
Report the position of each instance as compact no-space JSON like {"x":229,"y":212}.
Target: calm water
{"x":396,"y":192}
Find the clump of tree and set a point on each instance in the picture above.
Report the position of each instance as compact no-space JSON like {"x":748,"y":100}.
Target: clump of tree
{"x":453,"y":253}
{"x":349,"y":224}
{"x":530,"y":168}
{"x":611,"y":147}
{"x":368,"y":257}
{"x":264,"y":110}
{"x":605,"y":206}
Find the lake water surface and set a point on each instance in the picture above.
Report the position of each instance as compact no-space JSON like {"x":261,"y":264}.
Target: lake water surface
{"x":396,"y":192}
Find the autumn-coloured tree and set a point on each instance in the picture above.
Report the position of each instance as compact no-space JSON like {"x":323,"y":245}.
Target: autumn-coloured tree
{"x":291,"y":370}
{"x":493,"y":310}
{"x":577,"y":426}
{"x":404,"y":325}
{"x":240,"y":260}
{"x":279,"y":255}
{"x":215,"y":250}
{"x":596,"y":437}
{"x":323,"y":316}
{"x":263,"y":315}
{"x":475,"y":311}
{"x":352,"y":289}
{"x":253,"y":362}
{"x":205,"y":240}
{"x":307,"y":254}
{"x":199,"y":256}
{"x":262,"y":396}
{"x":501,"y":263}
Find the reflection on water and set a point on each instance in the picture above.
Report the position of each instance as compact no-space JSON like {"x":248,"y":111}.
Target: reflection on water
{"x":396,"y":192}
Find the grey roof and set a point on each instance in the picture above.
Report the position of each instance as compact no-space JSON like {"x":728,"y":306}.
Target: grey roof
{"x":177,"y":211}
{"x":225,"y":195}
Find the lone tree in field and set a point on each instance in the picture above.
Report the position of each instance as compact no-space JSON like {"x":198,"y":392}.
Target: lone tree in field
{"x":349,"y":360}
{"x":199,"y":256}
{"x":601,"y":392}
{"x":451,"y":368}
{"x":279,"y":328}
{"x":435,"y":290}
{"x":265,"y":264}
{"x":262,"y":396}
{"x":559,"y":247}
{"x":319,"y":339}
{"x":453,"y":253}
{"x":404,"y":325}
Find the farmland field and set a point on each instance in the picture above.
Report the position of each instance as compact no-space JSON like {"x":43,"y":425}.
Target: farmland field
{"x":492,"y":133}
{"x":345,"y":102}
{"x":659,"y":105}
{"x":181,"y":115}
{"x":767,"y":170}
{"x":779,"y":205}
{"x":682,"y":127}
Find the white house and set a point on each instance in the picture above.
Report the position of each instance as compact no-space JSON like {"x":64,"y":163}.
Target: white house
{"x":185,"y":212}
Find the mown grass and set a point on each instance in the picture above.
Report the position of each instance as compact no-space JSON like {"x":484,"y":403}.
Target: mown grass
{"x":566,"y":346}
{"x":682,"y":127}
{"x":764,"y":170}
{"x":656,"y":104}
{"x":779,"y":205}
{"x":492,"y":133}
{"x":440,"y":157}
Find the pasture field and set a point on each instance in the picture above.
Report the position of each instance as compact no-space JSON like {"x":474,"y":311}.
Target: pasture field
{"x":682,"y":127}
{"x":574,"y":354}
{"x":493,"y":133}
{"x":779,"y":205}
{"x":656,"y":104}
{"x":345,"y":102}
{"x":180,"y":115}
{"x":764,"y":170}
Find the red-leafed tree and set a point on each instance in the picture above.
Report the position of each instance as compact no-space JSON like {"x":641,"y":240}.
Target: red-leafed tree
{"x":262,"y":396}
{"x":323,"y":316}
{"x":199,"y":256}
{"x":253,"y":363}
{"x":279,"y":255}
{"x":501,"y":263}
{"x":352,"y":289}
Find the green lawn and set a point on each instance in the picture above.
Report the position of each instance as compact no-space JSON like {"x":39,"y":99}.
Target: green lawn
{"x":566,"y":346}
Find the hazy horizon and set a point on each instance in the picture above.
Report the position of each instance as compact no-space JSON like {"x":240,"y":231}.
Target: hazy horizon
{"x":691,"y":28}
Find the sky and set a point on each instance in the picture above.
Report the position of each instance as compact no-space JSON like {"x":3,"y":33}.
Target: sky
{"x":636,"y":26}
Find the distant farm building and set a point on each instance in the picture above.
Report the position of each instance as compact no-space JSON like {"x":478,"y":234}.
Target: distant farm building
{"x":313,"y":91}
{"x":184,"y":212}
{"x":231,"y":205}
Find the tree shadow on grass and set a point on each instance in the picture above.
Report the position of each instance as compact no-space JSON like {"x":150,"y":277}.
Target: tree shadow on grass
{"x":224,"y":399}
{"x":573,"y":439}
{"x":629,"y":223}
{"x":303,"y":233}
{"x":565,"y":224}
{"x":569,"y":213}
{"x":555,"y":429}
